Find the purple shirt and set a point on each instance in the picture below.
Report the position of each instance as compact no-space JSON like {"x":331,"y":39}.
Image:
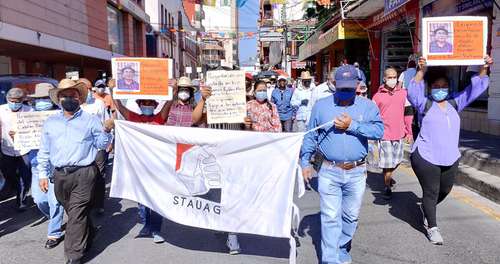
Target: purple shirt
{"x":437,"y":141}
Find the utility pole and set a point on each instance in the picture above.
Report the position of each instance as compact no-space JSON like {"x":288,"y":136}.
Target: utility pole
{"x":285,"y":36}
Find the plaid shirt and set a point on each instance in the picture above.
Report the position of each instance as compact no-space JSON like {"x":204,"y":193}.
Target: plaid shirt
{"x":263,"y":118}
{"x":180,"y":115}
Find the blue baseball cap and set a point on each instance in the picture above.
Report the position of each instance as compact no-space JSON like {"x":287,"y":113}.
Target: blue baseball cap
{"x":346,"y":76}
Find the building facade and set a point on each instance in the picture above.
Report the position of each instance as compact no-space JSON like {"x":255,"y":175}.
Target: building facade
{"x":52,"y":38}
{"x":173,"y":32}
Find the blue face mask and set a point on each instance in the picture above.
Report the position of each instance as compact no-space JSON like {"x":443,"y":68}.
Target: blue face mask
{"x":439,"y":94}
{"x":43,"y":104}
{"x":15,"y":106}
{"x":261,"y":96}
{"x":345,"y":94}
{"x":147,"y":110}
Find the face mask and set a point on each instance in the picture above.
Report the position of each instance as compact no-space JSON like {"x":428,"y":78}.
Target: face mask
{"x":184,"y":96}
{"x":70,"y":104}
{"x":345,"y":94}
{"x":43,"y":104}
{"x":391,"y":83}
{"x":90,"y":98}
{"x":147,"y":110}
{"x":261,"y":96}
{"x":101,"y":90}
{"x":439,"y":94}
{"x":15,"y":106}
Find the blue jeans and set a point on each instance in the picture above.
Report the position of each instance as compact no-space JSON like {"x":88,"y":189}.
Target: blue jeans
{"x":151,"y":219}
{"x":48,"y":205}
{"x":341,"y":193}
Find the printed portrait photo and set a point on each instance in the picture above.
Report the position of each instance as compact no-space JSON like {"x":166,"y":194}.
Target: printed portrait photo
{"x":440,"y":37}
{"x":129,"y":76}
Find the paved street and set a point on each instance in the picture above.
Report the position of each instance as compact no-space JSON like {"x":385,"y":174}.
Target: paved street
{"x":388,"y":233}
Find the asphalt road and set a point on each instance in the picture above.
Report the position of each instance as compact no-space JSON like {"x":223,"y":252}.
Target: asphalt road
{"x":389,"y":232}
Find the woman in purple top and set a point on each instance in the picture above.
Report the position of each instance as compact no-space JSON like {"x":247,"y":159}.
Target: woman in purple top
{"x":435,"y":153}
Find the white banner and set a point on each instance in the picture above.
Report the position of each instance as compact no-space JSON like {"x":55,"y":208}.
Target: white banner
{"x":232,"y":181}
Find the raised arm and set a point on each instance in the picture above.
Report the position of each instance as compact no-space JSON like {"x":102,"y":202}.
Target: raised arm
{"x":168,"y":105}
{"x":479,"y":84}
{"x":198,"y":114}
{"x":416,"y":88}
{"x":118,"y":104}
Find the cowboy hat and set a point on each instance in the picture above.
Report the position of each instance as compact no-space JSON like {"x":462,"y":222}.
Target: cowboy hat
{"x":42,"y":90}
{"x":185,"y":82}
{"x":66,"y":84}
{"x":305,"y":75}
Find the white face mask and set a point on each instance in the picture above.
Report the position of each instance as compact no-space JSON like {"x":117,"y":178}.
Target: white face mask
{"x":183,"y":95}
{"x":391,"y":83}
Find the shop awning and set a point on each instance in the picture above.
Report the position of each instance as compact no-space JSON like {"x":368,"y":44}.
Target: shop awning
{"x":366,"y":9}
{"x":321,"y":40}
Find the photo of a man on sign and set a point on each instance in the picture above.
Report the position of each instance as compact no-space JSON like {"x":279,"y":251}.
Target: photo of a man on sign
{"x":128,"y":77}
{"x":442,"y":38}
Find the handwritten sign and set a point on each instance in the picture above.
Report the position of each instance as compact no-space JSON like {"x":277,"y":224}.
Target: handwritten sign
{"x":142,"y":78}
{"x":459,"y":40}
{"x":28,"y":127}
{"x":228,"y":102}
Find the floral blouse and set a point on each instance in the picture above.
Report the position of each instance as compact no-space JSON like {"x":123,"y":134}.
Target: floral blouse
{"x":263,"y":118}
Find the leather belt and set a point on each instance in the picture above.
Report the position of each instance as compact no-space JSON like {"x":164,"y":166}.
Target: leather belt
{"x":345,"y":165}
{"x":71,"y":169}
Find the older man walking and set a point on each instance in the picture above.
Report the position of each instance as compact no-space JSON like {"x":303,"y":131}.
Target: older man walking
{"x":15,"y":162}
{"x":70,"y":141}
{"x":347,"y":122}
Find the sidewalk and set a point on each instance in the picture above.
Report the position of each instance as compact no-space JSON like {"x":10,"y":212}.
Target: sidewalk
{"x":480,"y":163}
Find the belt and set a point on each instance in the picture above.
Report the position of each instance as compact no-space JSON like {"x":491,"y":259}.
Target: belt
{"x":71,"y":169}
{"x":345,"y":165}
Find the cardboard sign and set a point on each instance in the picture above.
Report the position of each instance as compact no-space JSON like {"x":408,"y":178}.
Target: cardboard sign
{"x":228,"y":102}
{"x":142,"y":78}
{"x":459,"y":40}
{"x":28,"y":127}
{"x":74,"y":75}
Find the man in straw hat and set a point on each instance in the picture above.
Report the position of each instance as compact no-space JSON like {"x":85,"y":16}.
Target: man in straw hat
{"x":301,"y":100}
{"x":15,"y":162}
{"x":70,"y":141}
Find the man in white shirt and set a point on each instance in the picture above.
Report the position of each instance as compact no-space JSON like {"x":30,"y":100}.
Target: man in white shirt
{"x":16,"y":166}
{"x":301,"y":100}
{"x":325,"y":89}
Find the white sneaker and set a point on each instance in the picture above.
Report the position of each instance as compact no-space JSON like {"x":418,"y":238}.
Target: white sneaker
{"x":434,"y":236}
{"x":232,"y":244}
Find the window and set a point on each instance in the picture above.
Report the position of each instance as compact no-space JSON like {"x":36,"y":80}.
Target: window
{"x":138,"y":37}
{"x":162,"y":23}
{"x":115,"y":34}
{"x":165,"y":14}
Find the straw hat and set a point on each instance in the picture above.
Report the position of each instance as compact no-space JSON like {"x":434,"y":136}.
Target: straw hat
{"x":42,"y":90}
{"x":66,"y":84}
{"x":305,"y":75}
{"x":185,"y":82}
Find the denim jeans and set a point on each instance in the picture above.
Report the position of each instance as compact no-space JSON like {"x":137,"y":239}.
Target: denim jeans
{"x":341,"y":193}
{"x":48,"y":205}
{"x":151,"y":219}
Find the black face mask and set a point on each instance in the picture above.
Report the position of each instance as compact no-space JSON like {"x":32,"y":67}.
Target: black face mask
{"x":70,"y":104}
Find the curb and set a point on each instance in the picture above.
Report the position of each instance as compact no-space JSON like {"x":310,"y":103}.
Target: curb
{"x":487,"y":185}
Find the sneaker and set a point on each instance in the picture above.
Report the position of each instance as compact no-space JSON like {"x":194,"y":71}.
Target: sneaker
{"x":157,"y":238}
{"x":434,"y":236}
{"x":388,"y":192}
{"x":233,"y":245}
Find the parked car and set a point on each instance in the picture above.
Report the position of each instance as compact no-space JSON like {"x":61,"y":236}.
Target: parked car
{"x":24,"y":81}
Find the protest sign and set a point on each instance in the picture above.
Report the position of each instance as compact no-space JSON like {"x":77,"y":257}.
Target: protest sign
{"x":28,"y":127}
{"x":228,"y":101}
{"x":73,"y":75}
{"x":142,"y":78}
{"x":459,"y":40}
{"x":208,"y":178}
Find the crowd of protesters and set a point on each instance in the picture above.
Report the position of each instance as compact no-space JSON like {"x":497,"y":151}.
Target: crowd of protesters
{"x":68,"y":172}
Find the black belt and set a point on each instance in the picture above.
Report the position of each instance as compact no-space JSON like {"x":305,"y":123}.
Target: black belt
{"x":71,"y":169}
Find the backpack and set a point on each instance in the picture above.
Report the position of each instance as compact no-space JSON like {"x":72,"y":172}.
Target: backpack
{"x":417,"y":122}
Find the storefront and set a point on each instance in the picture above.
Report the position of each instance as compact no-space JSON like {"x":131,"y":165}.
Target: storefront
{"x":393,"y":39}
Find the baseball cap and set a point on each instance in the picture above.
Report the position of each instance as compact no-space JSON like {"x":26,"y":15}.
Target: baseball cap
{"x":100,"y":83}
{"x":346,"y":76}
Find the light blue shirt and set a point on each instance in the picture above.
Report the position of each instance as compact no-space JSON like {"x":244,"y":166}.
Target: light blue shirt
{"x":70,"y":141}
{"x":337,"y":145}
